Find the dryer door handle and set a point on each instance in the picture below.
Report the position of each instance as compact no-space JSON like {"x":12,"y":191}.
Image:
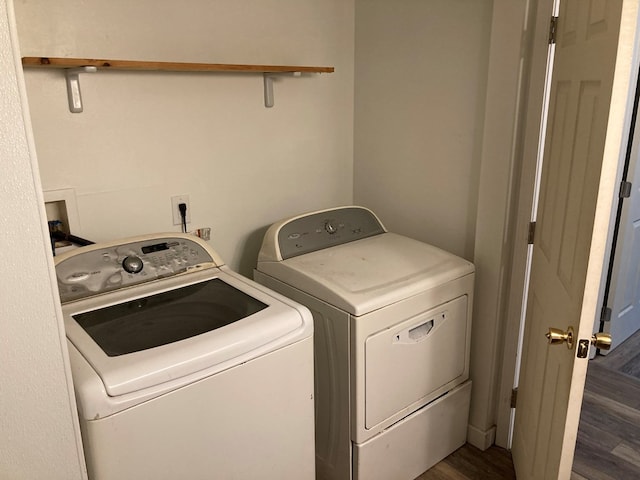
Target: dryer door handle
{"x":418,"y":332}
{"x":421,"y":331}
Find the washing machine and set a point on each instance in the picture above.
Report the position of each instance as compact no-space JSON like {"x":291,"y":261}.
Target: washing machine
{"x":392,"y":334}
{"x":183,"y":368}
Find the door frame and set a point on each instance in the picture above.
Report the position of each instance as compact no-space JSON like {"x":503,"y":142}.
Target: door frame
{"x":536,"y":53}
{"x":540,"y":13}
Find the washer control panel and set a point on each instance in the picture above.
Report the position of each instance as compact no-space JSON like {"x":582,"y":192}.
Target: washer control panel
{"x":325,"y":229}
{"x":98,"y":269}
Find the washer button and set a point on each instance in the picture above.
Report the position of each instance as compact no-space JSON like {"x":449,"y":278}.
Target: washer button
{"x":77,"y":277}
{"x":115,"y":278}
{"x":132,"y":264}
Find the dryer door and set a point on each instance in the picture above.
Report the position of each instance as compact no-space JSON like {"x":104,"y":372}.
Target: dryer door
{"x":414,"y":361}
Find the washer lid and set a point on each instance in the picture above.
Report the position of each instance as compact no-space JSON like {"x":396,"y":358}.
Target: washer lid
{"x":157,"y":332}
{"x":371,"y":273}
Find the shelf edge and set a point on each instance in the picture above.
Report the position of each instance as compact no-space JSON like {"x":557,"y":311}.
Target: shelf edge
{"x":53,"y":62}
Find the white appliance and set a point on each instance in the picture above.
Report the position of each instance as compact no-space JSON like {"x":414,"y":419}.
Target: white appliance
{"x":392,"y":333}
{"x":183,"y":368}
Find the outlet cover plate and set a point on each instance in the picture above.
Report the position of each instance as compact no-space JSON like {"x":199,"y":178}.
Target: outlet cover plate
{"x":175,"y":201}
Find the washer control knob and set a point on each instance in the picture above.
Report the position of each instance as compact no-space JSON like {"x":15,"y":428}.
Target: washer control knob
{"x":132,"y":264}
{"x":330,"y":227}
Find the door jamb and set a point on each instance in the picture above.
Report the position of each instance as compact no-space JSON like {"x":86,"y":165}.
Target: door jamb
{"x":536,"y":53}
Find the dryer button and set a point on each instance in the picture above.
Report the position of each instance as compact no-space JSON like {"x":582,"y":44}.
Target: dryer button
{"x":330,"y":228}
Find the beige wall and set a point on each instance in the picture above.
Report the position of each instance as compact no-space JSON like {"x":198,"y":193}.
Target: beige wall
{"x":421,"y":71}
{"x":144,"y":137}
{"x":40,"y":436}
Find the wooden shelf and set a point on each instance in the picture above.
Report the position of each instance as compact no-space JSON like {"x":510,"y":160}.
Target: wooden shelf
{"x":52,"y":62}
{"x":74,"y":66}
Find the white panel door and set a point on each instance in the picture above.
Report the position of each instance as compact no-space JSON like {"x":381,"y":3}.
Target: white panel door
{"x":584,"y":137}
{"x":624,"y":296}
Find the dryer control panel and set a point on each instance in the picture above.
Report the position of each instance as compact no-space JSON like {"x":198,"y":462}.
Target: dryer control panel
{"x":102,"y":268}
{"x":325,"y":229}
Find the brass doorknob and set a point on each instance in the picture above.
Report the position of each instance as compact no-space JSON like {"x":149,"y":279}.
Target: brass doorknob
{"x":557,"y":336}
{"x":601,"y":340}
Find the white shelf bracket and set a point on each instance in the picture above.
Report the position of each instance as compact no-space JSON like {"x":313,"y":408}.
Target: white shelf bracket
{"x":268,"y":89}
{"x":268,"y":86}
{"x":73,"y":86}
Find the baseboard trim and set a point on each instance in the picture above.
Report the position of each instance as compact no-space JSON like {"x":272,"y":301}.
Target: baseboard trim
{"x":481,"y":439}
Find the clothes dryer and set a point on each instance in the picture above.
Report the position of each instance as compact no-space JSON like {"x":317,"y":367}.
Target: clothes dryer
{"x":183,"y":368}
{"x":392,"y":334}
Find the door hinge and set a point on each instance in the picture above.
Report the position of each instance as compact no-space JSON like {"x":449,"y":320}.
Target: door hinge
{"x":553,"y":28}
{"x":532,"y":232}
{"x":514,"y":397}
{"x":625,"y":189}
{"x":605,"y":314}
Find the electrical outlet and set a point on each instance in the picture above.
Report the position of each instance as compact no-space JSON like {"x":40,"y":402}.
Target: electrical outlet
{"x":175,"y":201}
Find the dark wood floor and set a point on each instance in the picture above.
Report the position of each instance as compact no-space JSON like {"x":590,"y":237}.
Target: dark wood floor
{"x":608,"y":446}
{"x":624,"y":359}
{"x":471,"y":463}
